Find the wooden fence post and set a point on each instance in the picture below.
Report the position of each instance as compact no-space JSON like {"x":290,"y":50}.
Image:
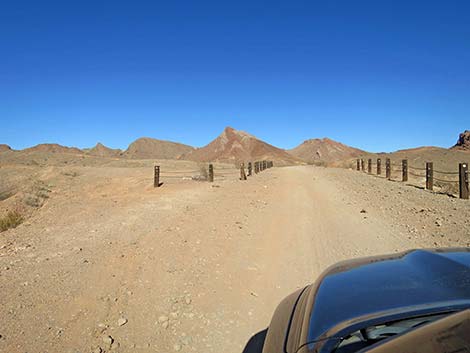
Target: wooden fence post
{"x":388,"y":169}
{"x":404,"y":169}
{"x":264,"y":165}
{"x":463,"y":181}
{"x":369,"y":166}
{"x":256,"y":167}
{"x":156,"y":176}
{"x":429,"y":175}
{"x":362,"y":164}
{"x":211,"y":173}
{"x":379,"y":166}
{"x":250,"y":169}
{"x":358,"y":164}
{"x":242,"y":171}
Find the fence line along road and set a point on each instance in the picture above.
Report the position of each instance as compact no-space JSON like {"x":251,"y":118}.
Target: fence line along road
{"x":427,"y":172}
{"x":160,"y":177}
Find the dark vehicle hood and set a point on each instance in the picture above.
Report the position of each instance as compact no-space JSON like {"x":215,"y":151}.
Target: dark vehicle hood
{"x":414,"y":282}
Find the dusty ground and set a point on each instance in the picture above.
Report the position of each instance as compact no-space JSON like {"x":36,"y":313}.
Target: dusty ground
{"x":108,"y":263}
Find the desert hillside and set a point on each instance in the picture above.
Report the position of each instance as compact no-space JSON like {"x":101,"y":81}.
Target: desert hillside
{"x":145,"y":148}
{"x":324,"y":150}
{"x":444,"y":159}
{"x":234,"y":146}
{"x":4,"y":148}
{"x":52,"y":148}
{"x":101,"y":150}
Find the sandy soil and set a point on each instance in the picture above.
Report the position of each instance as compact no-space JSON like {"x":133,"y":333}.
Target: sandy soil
{"x":108,"y":263}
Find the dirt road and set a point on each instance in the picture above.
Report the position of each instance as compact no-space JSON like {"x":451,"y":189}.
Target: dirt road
{"x":111,"y":264}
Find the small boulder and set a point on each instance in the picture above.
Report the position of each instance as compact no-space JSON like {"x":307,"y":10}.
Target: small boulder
{"x":122,"y":321}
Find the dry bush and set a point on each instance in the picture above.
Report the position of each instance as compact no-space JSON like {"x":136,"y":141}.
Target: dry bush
{"x":11,"y":220}
{"x":33,"y":201}
{"x":37,"y":196}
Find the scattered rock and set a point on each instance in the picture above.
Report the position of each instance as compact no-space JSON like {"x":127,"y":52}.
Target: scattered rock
{"x":163,"y":319}
{"x":363,"y":211}
{"x":174,"y":315}
{"x":186,"y":340}
{"x":177,"y":347}
{"x":108,"y":340}
{"x":122,"y":321}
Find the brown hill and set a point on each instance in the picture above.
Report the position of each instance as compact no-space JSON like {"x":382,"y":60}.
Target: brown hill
{"x":444,"y":159}
{"x":324,"y":150}
{"x":4,"y":148}
{"x":235,"y":146}
{"x":53,"y":148}
{"x":463,"y":142}
{"x":101,"y":150}
{"x":147,"y":148}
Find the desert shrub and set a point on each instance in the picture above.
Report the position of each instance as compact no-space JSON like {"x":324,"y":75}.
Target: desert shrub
{"x":33,"y":201}
{"x":37,"y":195}
{"x":11,"y":220}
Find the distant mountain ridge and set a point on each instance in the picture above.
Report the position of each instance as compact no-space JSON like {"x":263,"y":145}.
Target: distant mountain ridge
{"x":324,"y":150}
{"x":235,"y":146}
{"x":101,"y":150}
{"x":146,"y":148}
{"x":53,"y":148}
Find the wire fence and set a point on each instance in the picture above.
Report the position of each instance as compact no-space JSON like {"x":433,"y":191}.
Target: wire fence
{"x":446,"y":181}
{"x":208,"y":173}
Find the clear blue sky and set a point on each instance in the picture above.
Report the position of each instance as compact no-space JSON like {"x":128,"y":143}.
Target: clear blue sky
{"x":377,"y":74}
